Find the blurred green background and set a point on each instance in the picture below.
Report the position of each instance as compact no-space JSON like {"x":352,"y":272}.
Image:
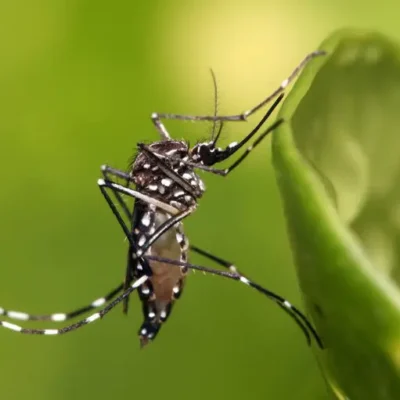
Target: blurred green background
{"x":78,"y":81}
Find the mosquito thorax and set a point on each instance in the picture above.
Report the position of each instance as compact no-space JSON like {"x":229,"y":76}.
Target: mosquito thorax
{"x":150,"y":179}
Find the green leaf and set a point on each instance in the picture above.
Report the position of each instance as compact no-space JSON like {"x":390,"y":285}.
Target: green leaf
{"x":337,"y":161}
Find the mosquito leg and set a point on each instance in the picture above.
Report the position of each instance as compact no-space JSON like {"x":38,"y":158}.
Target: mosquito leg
{"x":83,"y":322}
{"x":219,"y":155}
{"x":226,"y":171}
{"x":234,"y":147}
{"x":233,"y":269}
{"x":156,"y":117}
{"x":106,"y":171}
{"x":219,"y":261}
{"x":59,"y":317}
{"x":252,"y":147}
{"x":291,"y":310}
{"x":139,"y":250}
{"x":133,"y":193}
{"x":134,"y":247}
{"x":164,"y":228}
{"x":102,"y":185}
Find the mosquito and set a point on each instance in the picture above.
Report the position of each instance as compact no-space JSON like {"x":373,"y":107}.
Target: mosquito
{"x":167,"y":190}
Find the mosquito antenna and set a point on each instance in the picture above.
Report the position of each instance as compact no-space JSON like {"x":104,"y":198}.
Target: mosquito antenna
{"x":214,"y":79}
{"x":221,"y":125}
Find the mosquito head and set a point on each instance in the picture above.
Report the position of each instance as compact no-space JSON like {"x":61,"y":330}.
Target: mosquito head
{"x":203,"y":153}
{"x":206,"y":153}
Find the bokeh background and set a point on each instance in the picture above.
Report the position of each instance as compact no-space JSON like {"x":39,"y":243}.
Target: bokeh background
{"x":78,"y":81}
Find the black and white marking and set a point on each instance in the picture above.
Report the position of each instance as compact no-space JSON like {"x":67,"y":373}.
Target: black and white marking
{"x":167,"y":191}
{"x":62,"y":317}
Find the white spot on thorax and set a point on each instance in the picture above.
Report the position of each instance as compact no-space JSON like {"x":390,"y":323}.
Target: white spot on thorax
{"x":166,"y":182}
{"x":179,"y":193}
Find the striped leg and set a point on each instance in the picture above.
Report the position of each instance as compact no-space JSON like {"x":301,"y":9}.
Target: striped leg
{"x":79,"y":324}
{"x":59,"y":317}
{"x":219,"y":155}
{"x":162,"y":229}
{"x":284,"y":304}
{"x":226,"y":171}
{"x":219,"y":261}
{"x":64,"y":316}
{"x":177,"y":216}
{"x":157,"y":117}
{"x":291,"y":310}
{"x":299,"y":318}
{"x":107,"y":171}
